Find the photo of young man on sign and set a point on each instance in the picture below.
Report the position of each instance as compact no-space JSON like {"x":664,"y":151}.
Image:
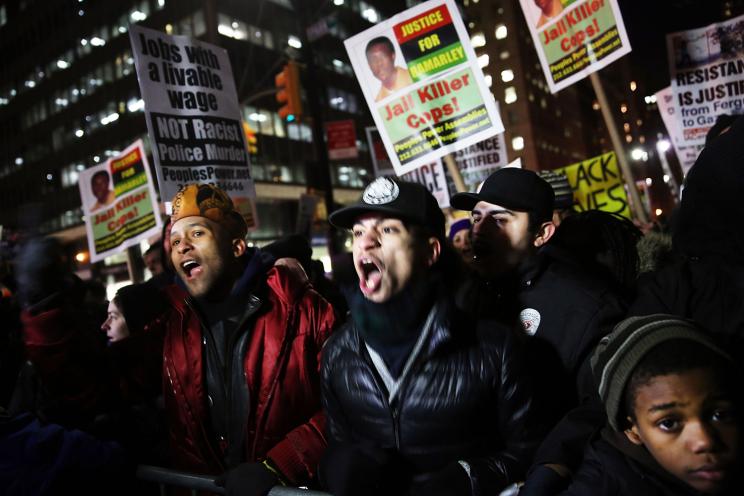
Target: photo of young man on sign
{"x":549,"y":10}
{"x":381,"y":59}
{"x":100,"y":188}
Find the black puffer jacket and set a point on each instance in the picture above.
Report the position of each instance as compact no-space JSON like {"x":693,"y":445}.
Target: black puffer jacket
{"x":466,"y":398}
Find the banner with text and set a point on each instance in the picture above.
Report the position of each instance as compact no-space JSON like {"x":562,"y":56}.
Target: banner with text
{"x":421,"y":79}
{"x":686,"y":155}
{"x":707,"y":69}
{"x":575,"y":37}
{"x":380,"y":161}
{"x":598,"y":185}
{"x":193,"y":116}
{"x":119,"y":202}
{"x":341,"y":139}
{"x":432,"y":176}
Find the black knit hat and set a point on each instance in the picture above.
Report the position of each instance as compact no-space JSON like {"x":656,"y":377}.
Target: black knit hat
{"x":618,"y":353}
{"x":140,"y":304}
{"x":410,"y":202}
{"x":513,"y":188}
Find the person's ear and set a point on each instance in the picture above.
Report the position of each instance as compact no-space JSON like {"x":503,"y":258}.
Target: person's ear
{"x":632,"y":433}
{"x":434,"y":250}
{"x":546,"y":231}
{"x":239,"y":246}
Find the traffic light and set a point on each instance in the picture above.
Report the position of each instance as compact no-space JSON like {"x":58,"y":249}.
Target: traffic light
{"x":288,"y":92}
{"x":250,"y":138}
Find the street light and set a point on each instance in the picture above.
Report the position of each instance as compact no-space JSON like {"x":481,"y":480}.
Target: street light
{"x":663,"y":145}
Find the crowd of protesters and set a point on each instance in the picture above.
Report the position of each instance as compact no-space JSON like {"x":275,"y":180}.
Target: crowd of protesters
{"x":521,"y":347}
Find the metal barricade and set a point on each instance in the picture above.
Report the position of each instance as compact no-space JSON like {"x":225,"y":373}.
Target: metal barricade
{"x":201,"y":483}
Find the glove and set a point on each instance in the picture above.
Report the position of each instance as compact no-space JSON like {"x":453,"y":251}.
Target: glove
{"x":39,"y":271}
{"x":452,"y":480}
{"x":357,"y":470}
{"x":248,"y":479}
{"x":543,"y":481}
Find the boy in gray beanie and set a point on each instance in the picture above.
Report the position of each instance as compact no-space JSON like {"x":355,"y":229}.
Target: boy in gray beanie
{"x":670,"y":396}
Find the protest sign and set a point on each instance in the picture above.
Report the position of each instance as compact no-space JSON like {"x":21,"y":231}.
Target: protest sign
{"x":575,"y":38}
{"x":341,"y":139}
{"x":686,"y":154}
{"x":380,"y":161}
{"x":192,"y":113}
{"x":119,"y":202}
{"x":707,"y":69}
{"x":597,"y":185}
{"x":432,"y":176}
{"x":489,"y":154}
{"x":420,"y":77}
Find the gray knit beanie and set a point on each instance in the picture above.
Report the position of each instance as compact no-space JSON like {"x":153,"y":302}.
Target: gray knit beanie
{"x":618,"y":353}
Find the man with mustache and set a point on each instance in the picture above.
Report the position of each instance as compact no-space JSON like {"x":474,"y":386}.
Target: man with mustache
{"x":241,"y":353}
{"x":525,"y":282}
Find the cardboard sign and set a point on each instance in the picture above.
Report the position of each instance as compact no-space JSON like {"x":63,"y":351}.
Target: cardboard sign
{"x":574,"y":38}
{"x":686,"y":154}
{"x":432,"y":176}
{"x":707,"y":69}
{"x":341,"y":139}
{"x":423,"y":85}
{"x":598,"y":185}
{"x":119,"y":202}
{"x":193,"y":116}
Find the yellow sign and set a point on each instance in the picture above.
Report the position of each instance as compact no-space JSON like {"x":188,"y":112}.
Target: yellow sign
{"x":598,"y":185}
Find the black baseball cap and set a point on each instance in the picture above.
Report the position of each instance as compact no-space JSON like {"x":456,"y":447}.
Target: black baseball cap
{"x":513,"y":188}
{"x":410,"y":202}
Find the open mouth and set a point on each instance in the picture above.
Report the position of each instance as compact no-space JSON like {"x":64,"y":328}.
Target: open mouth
{"x":370,"y":276}
{"x":191,"y":268}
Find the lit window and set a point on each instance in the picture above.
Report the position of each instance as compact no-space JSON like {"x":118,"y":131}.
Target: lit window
{"x":633,"y":86}
{"x":507,"y":75}
{"x":595,"y":105}
{"x":371,"y":15}
{"x":294,"y":42}
{"x":659,"y":211}
{"x":109,"y":118}
{"x":338,"y":2}
{"x":489,"y":80}
{"x":483,"y":60}
{"x":628,"y":138}
{"x":135,"y":104}
{"x":137,"y":16}
{"x":623,"y":108}
{"x":626,"y":127}
{"x":500,"y":32}
{"x":517,"y":143}
{"x":478,"y":40}
{"x":504,"y":55}
{"x":510,"y":95}
{"x":62,"y":64}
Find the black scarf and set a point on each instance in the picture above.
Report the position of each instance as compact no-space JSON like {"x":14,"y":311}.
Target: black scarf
{"x":391,"y":328}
